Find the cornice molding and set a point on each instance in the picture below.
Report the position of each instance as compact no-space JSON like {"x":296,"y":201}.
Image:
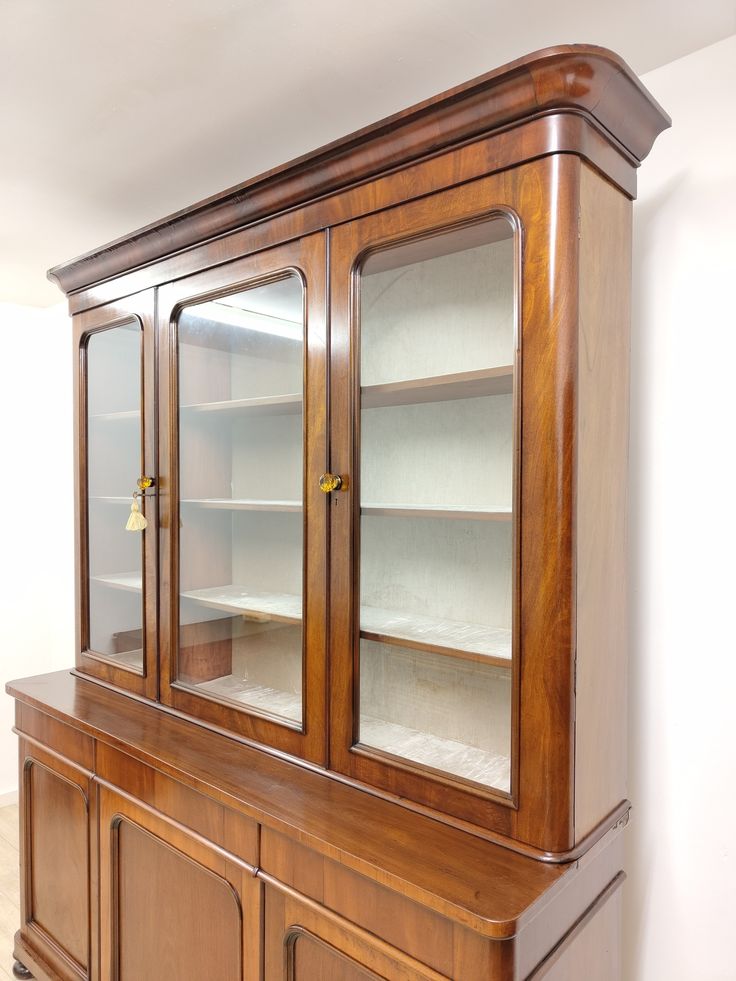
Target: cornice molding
{"x":583,"y":79}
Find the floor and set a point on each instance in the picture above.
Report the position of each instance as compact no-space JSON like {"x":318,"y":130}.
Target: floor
{"x":9,"y":888}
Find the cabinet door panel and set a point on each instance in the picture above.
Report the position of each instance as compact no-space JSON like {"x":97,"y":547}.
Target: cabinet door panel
{"x":117,"y":566}
{"x":55,"y":862}
{"x":245,"y":389}
{"x":433,"y":328}
{"x":172,"y":906}
{"x":451,"y":628}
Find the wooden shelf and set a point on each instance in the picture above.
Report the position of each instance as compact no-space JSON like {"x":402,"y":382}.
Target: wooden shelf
{"x":427,"y":749}
{"x":241,"y":504}
{"x":262,"y":698}
{"x":273,"y":405}
{"x":130,"y":581}
{"x":440,"y":388}
{"x":458,"y":512}
{"x":470,"y":641}
{"x":126,"y":415}
{"x":279,"y":607}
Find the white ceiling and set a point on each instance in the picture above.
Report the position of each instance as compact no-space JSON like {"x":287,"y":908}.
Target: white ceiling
{"x":115,"y":114}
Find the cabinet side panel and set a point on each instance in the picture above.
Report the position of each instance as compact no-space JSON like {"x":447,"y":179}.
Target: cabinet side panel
{"x":602,"y":468}
{"x":592,"y":950}
{"x":58,"y":848}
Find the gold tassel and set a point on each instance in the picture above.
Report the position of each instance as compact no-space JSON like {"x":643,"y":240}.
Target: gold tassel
{"x":136,"y":521}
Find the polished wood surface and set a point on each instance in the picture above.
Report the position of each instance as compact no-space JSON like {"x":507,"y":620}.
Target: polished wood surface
{"x":592,"y":949}
{"x":542,"y":197}
{"x":207,"y":901}
{"x":305,"y":258}
{"x":530,"y":140}
{"x":57,"y":865}
{"x":141,"y":308}
{"x":150,"y":875}
{"x":58,"y":843}
{"x":569,"y":78}
{"x":601,"y":489}
{"x":409,"y":852}
{"x":353,"y":867}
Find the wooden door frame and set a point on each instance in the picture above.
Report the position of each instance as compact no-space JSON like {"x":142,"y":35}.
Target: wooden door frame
{"x":543,"y":197}
{"x":141,"y":308}
{"x":306,"y":258}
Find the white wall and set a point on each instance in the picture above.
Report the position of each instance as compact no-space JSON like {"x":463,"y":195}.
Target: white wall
{"x":36,"y":506}
{"x":680,"y":897}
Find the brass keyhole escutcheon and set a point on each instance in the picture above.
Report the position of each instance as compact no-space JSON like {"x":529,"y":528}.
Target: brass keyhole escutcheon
{"x":329,"y":482}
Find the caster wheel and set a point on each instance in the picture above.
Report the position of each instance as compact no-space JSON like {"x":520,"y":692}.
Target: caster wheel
{"x":21,"y":971}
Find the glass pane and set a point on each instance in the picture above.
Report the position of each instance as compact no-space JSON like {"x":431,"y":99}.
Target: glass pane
{"x":437,"y":341}
{"x":114,"y":463}
{"x":241,"y":515}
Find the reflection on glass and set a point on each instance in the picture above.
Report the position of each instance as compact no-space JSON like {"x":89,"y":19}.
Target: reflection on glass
{"x":437,"y":343}
{"x":114,"y":458}
{"x":240,"y":465}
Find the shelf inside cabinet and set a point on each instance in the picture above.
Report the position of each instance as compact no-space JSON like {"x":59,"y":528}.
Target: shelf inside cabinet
{"x":440,"y":388}
{"x":273,"y":405}
{"x":241,"y":504}
{"x":130,"y":581}
{"x":125,"y":415}
{"x":279,"y":607}
{"x":438,"y":752}
{"x":263,"y":698}
{"x":470,"y":641}
{"x":452,"y":511}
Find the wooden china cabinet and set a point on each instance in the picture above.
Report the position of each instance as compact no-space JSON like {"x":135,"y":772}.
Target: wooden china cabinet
{"x":352,"y":705}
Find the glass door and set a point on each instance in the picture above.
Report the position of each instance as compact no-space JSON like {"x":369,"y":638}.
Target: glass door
{"x":247,"y":396}
{"x":117,"y":514}
{"x":431,"y":317}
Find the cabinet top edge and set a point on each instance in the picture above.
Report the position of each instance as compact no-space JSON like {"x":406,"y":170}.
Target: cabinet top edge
{"x":585,"y":79}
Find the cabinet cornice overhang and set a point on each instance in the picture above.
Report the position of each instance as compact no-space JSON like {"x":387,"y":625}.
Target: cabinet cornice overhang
{"x":582,"y":79}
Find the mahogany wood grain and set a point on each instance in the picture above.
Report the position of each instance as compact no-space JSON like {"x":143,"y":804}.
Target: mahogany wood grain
{"x":55,"y":854}
{"x":542,"y":197}
{"x":207,"y":903}
{"x":591,"y":951}
{"x":404,"y":924}
{"x":415,"y":855}
{"x":555,"y":133}
{"x":139,"y":308}
{"x":578,"y":79}
{"x":304,"y":941}
{"x":601,"y":515}
{"x":209,"y":818}
{"x":65,"y":741}
{"x":306,"y":258}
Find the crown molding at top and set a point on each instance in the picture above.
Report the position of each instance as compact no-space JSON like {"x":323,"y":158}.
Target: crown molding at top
{"x":585,"y":79}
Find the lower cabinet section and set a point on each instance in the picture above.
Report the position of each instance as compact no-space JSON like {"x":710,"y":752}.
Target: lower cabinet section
{"x":131,"y":870}
{"x":172,"y":905}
